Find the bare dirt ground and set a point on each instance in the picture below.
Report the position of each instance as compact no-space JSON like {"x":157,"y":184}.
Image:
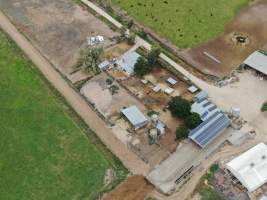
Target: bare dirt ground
{"x":134,"y":188}
{"x":97,"y":91}
{"x":251,"y":23}
{"x":57,"y":28}
{"x":116,"y":50}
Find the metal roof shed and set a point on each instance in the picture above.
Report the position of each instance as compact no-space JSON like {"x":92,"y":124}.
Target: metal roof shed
{"x":250,"y":168}
{"x":127,"y":61}
{"x":257,"y":61}
{"x":208,"y":130}
{"x":135,"y":117}
{"x":193,"y":89}
{"x":104,"y":65}
{"x":171,"y":81}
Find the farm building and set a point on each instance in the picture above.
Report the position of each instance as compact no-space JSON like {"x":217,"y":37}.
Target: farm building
{"x":135,"y":117}
{"x":204,"y":108}
{"x":156,"y":88}
{"x":171,"y":81}
{"x":127,"y":62}
{"x":193,"y":89}
{"x":257,"y":61}
{"x":210,"y":129}
{"x":250,"y":168}
{"x":201,"y":96}
{"x":168,"y":91}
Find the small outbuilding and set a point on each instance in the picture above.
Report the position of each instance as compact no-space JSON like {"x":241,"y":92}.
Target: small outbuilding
{"x":250,"y":168}
{"x":193,"y":89}
{"x":135,"y":117}
{"x":171,"y":81}
{"x":168,"y":91}
{"x":156,"y":88}
{"x":104,"y":65}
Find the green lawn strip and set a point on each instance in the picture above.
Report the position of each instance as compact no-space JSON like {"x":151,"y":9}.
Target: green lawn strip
{"x":44,"y":154}
{"x":186,"y":24}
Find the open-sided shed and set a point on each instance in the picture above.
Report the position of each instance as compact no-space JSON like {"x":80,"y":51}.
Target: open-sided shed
{"x":257,"y":61}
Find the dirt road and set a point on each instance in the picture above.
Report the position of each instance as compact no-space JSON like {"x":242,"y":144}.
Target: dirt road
{"x":129,"y":159}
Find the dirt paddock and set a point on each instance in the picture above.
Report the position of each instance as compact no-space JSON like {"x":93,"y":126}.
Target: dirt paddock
{"x":251,"y":24}
{"x":134,"y":188}
{"x":57,"y":28}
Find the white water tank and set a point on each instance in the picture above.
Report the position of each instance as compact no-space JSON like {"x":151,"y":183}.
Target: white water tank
{"x":235,"y":111}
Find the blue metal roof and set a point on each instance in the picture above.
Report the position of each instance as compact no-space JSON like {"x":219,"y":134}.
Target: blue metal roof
{"x":211,"y":128}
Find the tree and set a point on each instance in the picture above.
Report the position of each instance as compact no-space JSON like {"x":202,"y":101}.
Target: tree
{"x":141,"y":67}
{"x":179,"y":107}
{"x":264,"y":107}
{"x":92,"y":59}
{"x":182,"y":132}
{"x":130,"y":24}
{"x":193,"y":120}
{"x":153,"y":57}
{"x":131,"y":38}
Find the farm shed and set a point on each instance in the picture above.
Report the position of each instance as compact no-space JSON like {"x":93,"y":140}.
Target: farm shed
{"x":193,"y":89}
{"x":156,"y":88}
{"x":169,"y":91}
{"x":171,"y":81}
{"x":210,"y":129}
{"x":135,"y":117}
{"x":257,"y":61}
{"x":250,"y":168}
{"x":127,"y":61}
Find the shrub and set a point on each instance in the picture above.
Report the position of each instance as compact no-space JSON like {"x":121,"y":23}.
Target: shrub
{"x":109,"y":81}
{"x":152,"y":112}
{"x":153,"y":57}
{"x":193,"y":120}
{"x":182,"y":132}
{"x":141,"y":67}
{"x":264,"y":107}
{"x":179,"y":107}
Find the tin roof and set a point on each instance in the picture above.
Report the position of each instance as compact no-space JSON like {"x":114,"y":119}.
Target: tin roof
{"x":134,"y":115}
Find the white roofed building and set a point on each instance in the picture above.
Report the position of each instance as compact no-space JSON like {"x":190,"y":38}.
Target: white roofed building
{"x":257,"y":61}
{"x":193,"y":89}
{"x":250,"y":168}
{"x":171,"y":81}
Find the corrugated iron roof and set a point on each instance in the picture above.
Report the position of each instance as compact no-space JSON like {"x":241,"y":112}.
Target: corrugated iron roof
{"x":134,"y":115}
{"x":208,"y":130}
{"x":257,"y":61}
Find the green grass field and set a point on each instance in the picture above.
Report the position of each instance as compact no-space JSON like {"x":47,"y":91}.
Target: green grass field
{"x":45,"y":152}
{"x":185,"y":23}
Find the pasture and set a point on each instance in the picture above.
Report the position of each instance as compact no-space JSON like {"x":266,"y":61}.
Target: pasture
{"x":46,"y":150}
{"x":185,"y":23}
